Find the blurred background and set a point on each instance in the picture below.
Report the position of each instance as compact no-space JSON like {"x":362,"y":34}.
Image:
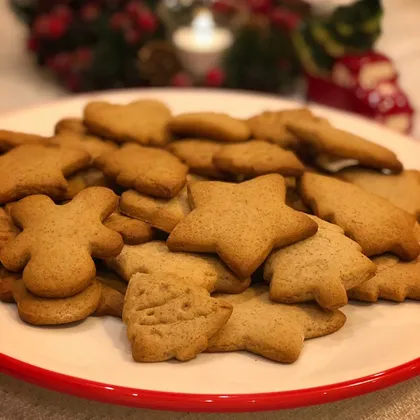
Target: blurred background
{"x":362,"y":56}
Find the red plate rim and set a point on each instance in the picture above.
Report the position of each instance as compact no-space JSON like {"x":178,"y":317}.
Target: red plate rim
{"x":172,"y":401}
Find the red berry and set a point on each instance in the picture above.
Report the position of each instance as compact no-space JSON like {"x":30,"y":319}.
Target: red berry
{"x":89,"y":13}
{"x":181,"y":79}
{"x":260,"y":6}
{"x":147,"y":21}
{"x":63,"y":12}
{"x":215,"y":78}
{"x":32,"y":44}
{"x":56,"y":28}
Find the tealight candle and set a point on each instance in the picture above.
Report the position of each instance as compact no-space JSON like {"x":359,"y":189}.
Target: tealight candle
{"x":201,"y":45}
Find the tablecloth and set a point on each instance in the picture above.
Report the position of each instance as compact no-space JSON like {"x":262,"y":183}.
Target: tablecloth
{"x":21,"y":85}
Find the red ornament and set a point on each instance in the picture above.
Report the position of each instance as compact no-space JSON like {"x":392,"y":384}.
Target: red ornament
{"x":260,"y":6}
{"x":147,"y":21}
{"x":181,"y":79}
{"x":89,"y":12}
{"x":32,"y":44}
{"x":215,"y":78}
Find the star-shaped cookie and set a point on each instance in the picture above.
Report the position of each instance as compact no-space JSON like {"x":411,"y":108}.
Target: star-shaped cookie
{"x":402,"y":190}
{"x":57,"y":243}
{"x":395,"y":280}
{"x":319,"y":268}
{"x":159,"y":212}
{"x":242,"y":223}
{"x":148,"y":170}
{"x":143,"y":121}
{"x":169,"y":318}
{"x":273,"y":330}
{"x":38,"y":169}
{"x":155,"y":258}
{"x":372,"y":221}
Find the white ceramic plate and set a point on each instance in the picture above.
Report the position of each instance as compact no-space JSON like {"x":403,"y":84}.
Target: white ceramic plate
{"x":379,"y":345}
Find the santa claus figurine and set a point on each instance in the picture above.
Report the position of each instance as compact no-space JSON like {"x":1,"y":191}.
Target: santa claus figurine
{"x":366,"y":84}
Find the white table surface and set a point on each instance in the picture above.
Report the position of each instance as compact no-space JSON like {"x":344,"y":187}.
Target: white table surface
{"x":21,"y":84}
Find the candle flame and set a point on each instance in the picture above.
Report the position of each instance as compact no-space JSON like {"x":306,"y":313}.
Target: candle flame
{"x":203,"y":26}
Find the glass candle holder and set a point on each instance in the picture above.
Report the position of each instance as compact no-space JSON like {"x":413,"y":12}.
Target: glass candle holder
{"x":200,"y":40}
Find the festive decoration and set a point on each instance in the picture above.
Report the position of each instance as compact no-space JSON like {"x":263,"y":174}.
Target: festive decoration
{"x":265,"y":45}
{"x":344,"y":72}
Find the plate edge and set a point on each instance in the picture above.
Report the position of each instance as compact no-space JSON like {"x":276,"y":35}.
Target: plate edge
{"x":172,"y":401}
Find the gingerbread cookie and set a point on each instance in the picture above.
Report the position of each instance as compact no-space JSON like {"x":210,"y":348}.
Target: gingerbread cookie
{"x":37,"y":169}
{"x":70,"y":125}
{"x":155,"y":258}
{"x":8,"y":230}
{"x":402,"y":190}
{"x":210,"y":125}
{"x":242,"y":223}
{"x":132,"y":231}
{"x":169,"y":318}
{"x":326,"y":139}
{"x":149,"y":171}
{"x":41,"y":311}
{"x":90,"y":144}
{"x":198,"y":155}
{"x":395,"y":280}
{"x":160,"y":213}
{"x":257,"y":157}
{"x":57,"y":243}
{"x":83,"y":179}
{"x":143,"y":122}
{"x":372,"y":221}
{"x":319,"y":268}
{"x":7,"y":281}
{"x":10,"y":139}
{"x":273,"y":330}
{"x":271,"y":126}
{"x":111,"y":302}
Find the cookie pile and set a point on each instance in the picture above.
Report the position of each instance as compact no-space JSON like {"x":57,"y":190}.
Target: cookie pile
{"x":204,"y":232}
